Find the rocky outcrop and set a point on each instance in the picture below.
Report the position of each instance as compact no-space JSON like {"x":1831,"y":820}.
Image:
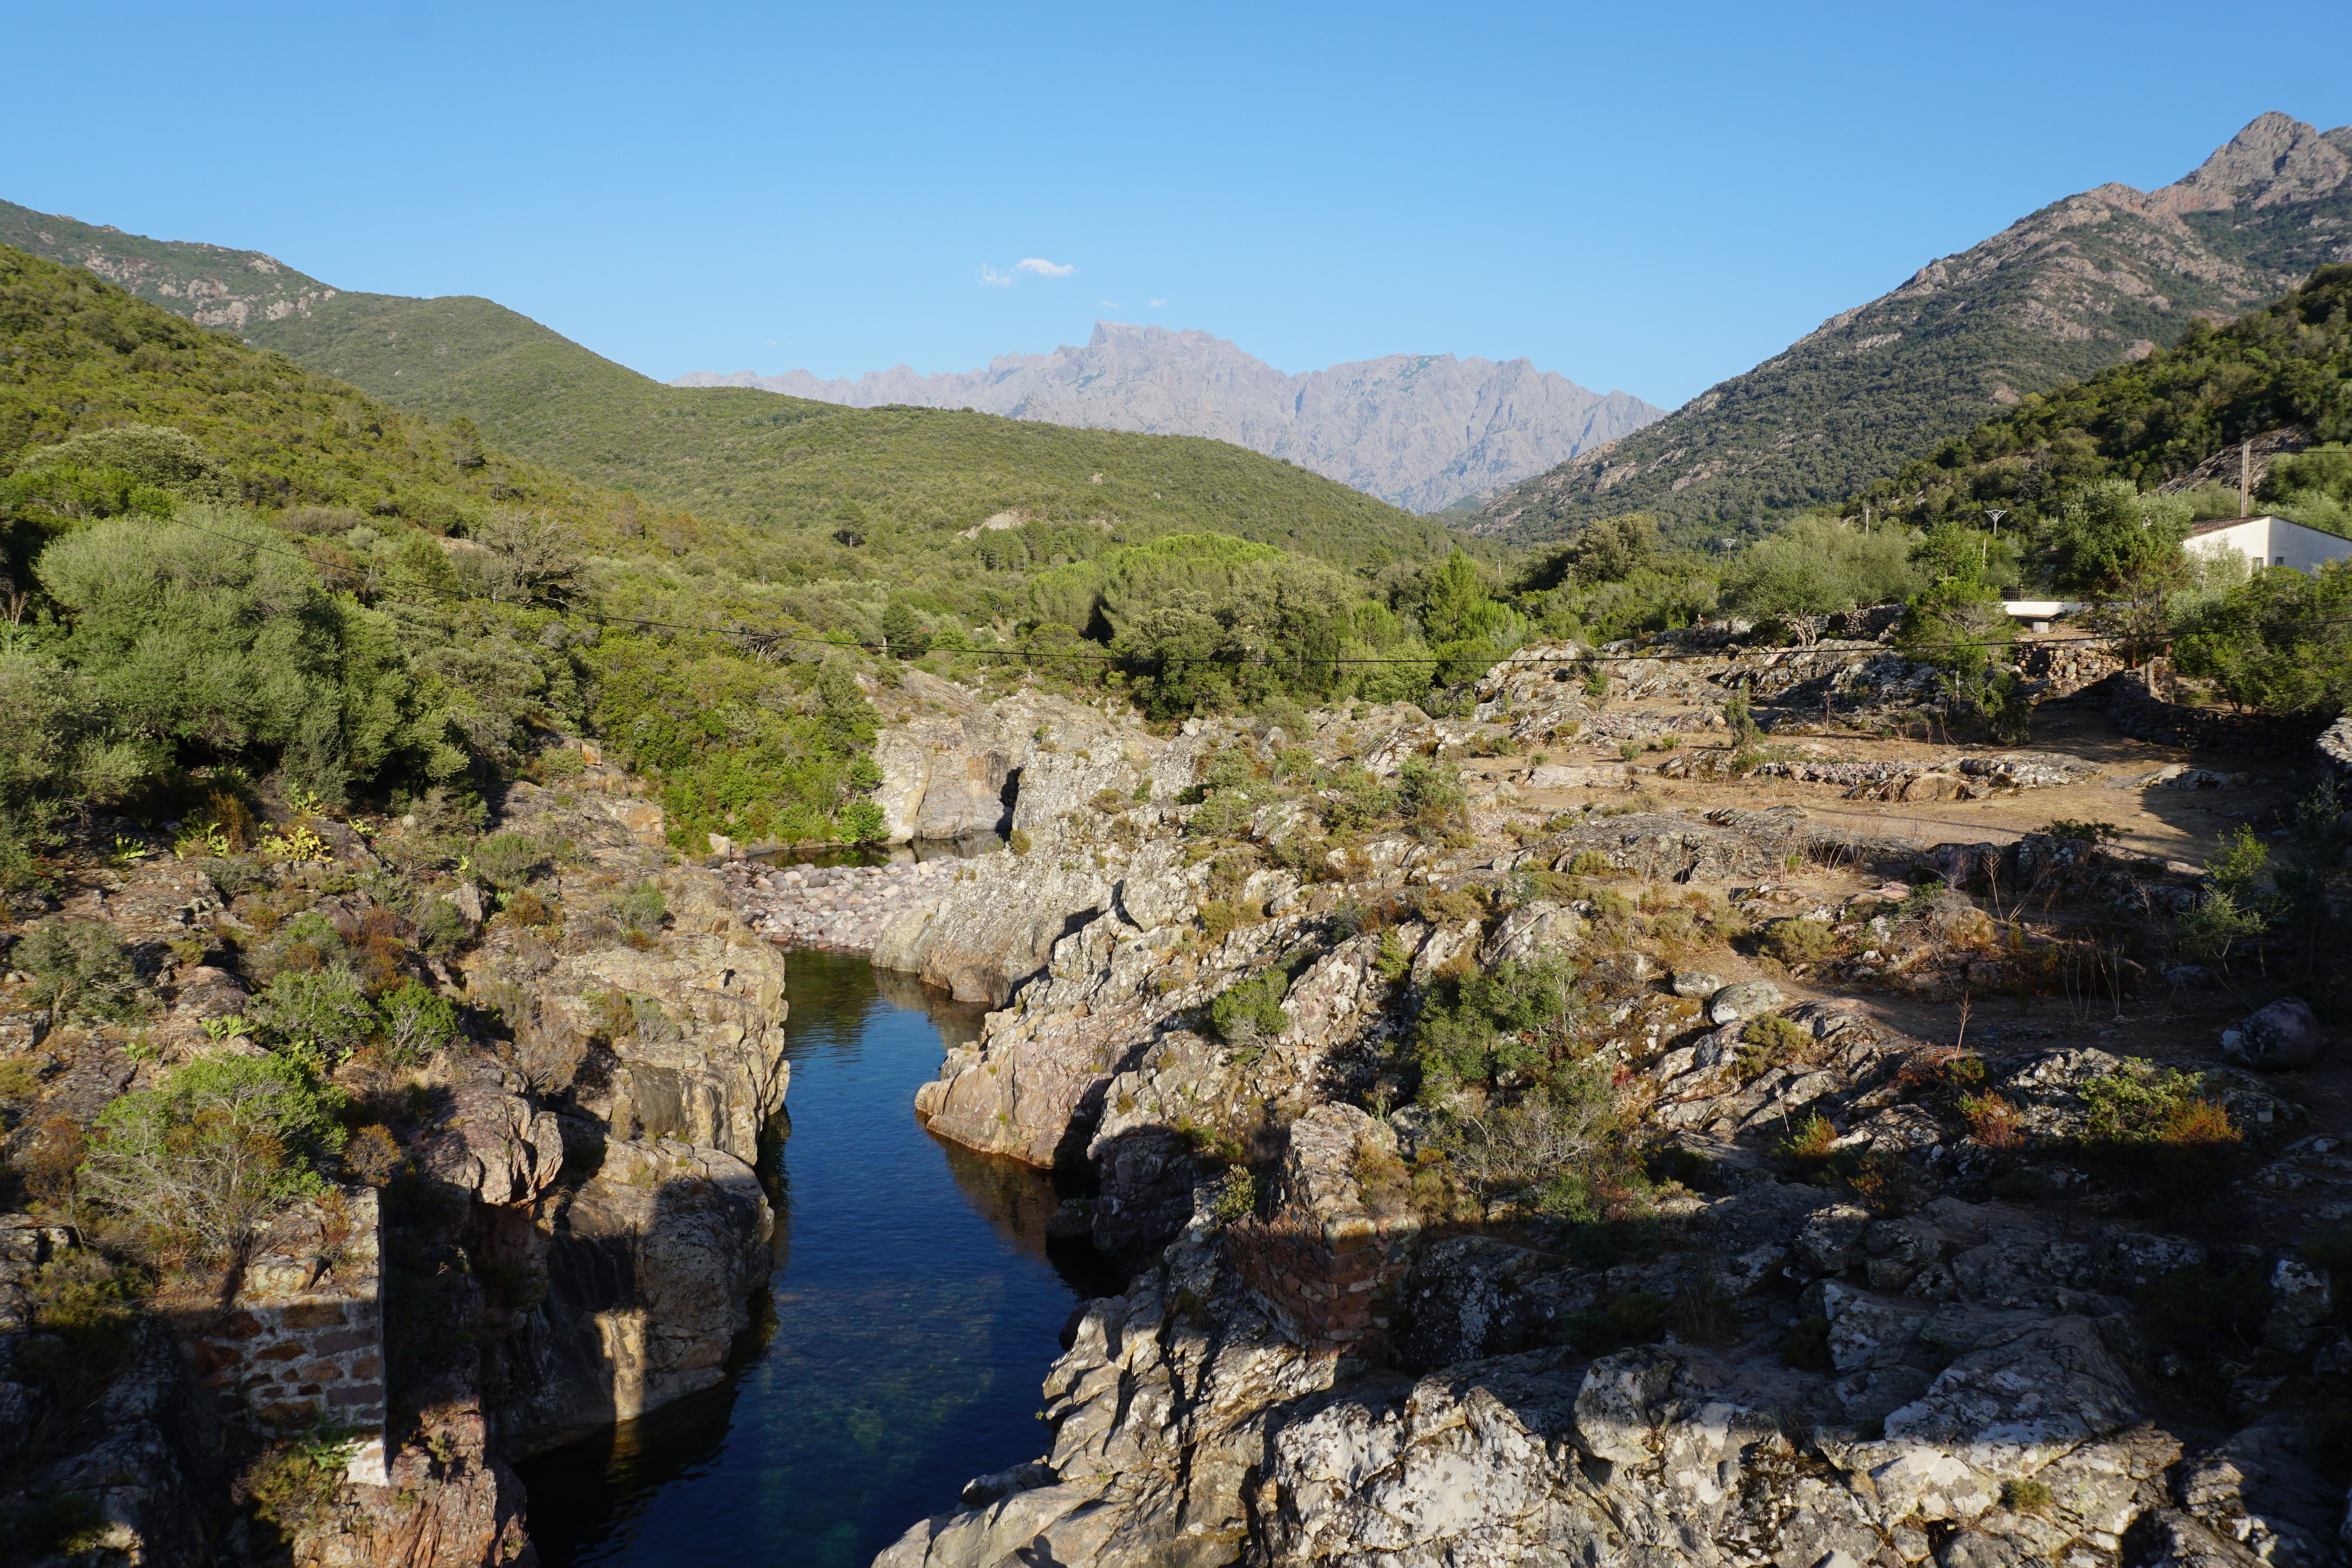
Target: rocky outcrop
{"x":1190,"y":1428}
{"x":2334,"y":749}
{"x":615,"y":1172}
{"x":2135,"y":710}
{"x":650,"y":1267}
{"x":836,"y":909}
{"x":2282,"y":1035}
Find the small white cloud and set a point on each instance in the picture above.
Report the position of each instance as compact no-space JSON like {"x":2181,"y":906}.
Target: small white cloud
{"x":991,"y":278}
{"x":1158,"y":303}
{"x":1042,"y":267}
{"x":772,"y":343}
{"x":1109,"y":305}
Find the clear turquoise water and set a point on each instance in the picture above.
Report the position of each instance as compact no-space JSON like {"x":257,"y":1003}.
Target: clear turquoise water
{"x":915,"y":1308}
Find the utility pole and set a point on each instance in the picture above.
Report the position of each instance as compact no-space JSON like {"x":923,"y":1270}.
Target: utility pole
{"x":1984,"y":551}
{"x":2245,"y":478}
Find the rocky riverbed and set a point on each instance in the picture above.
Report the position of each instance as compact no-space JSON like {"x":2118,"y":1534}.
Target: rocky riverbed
{"x":1886,"y":1298}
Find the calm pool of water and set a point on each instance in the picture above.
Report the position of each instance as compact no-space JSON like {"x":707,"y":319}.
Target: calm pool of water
{"x":915,"y":1310}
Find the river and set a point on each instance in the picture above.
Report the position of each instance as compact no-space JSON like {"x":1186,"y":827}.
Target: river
{"x":915,"y":1309}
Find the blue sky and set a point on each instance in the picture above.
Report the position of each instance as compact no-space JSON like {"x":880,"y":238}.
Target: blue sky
{"x":1649,"y":198}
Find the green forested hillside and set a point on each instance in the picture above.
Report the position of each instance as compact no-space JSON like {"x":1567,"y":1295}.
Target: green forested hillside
{"x":82,"y":354}
{"x":916,"y":475}
{"x":2287,"y":365}
{"x":913,"y":478}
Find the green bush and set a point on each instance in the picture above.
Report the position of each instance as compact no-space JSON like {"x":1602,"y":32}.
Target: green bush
{"x":2026,"y":1496}
{"x":1772,"y":1042}
{"x":2217,"y":926}
{"x":417,"y":1023}
{"x":323,"y":1011}
{"x":509,"y":859}
{"x":1246,"y":1012}
{"x":643,"y":908}
{"x":861,"y":822}
{"x":1563,"y":1151}
{"x":1238,"y":1198}
{"x":223,"y":1144}
{"x":55,"y":745}
{"x":440,"y":927}
{"x":1431,"y":799}
{"x":204,"y":632}
{"x":1511,"y":1019}
{"x":155,"y":456}
{"x":293,"y":1484}
{"x":79,"y":969}
{"x":1799,"y":941}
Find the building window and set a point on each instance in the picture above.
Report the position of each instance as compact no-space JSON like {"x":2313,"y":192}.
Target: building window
{"x":2280,"y":561}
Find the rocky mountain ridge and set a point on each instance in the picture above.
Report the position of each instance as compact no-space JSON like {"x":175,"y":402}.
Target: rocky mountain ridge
{"x":2084,"y":283}
{"x":1420,"y":431}
{"x":213,"y":285}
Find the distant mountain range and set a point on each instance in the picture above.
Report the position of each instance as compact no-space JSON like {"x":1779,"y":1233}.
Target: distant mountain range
{"x":1420,"y":431}
{"x":2084,"y":283}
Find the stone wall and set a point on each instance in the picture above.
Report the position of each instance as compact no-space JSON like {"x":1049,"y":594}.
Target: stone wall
{"x":2064,"y":668}
{"x":302,"y":1342}
{"x":1327,"y":1256}
{"x":2134,"y":709}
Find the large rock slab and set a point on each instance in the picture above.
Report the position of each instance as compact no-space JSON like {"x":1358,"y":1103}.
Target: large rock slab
{"x":650,"y":1264}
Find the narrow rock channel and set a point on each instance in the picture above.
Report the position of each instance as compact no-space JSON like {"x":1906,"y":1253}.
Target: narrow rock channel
{"x":915,"y":1300}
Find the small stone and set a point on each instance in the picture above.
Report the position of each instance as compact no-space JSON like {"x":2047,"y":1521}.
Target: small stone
{"x":1696,"y":983}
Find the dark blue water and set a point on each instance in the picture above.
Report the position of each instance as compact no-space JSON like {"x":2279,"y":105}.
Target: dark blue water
{"x":915,"y":1311}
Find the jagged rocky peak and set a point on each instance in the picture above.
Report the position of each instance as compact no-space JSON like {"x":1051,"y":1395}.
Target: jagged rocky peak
{"x":2276,"y":159}
{"x":1420,"y":431}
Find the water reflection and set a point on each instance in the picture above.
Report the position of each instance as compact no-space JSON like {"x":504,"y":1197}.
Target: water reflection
{"x":915,"y":1306}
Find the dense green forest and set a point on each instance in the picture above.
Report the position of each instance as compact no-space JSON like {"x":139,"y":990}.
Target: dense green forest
{"x":214,"y":560}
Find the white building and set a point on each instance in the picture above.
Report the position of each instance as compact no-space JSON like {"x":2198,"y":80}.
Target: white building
{"x":2270,"y":541}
